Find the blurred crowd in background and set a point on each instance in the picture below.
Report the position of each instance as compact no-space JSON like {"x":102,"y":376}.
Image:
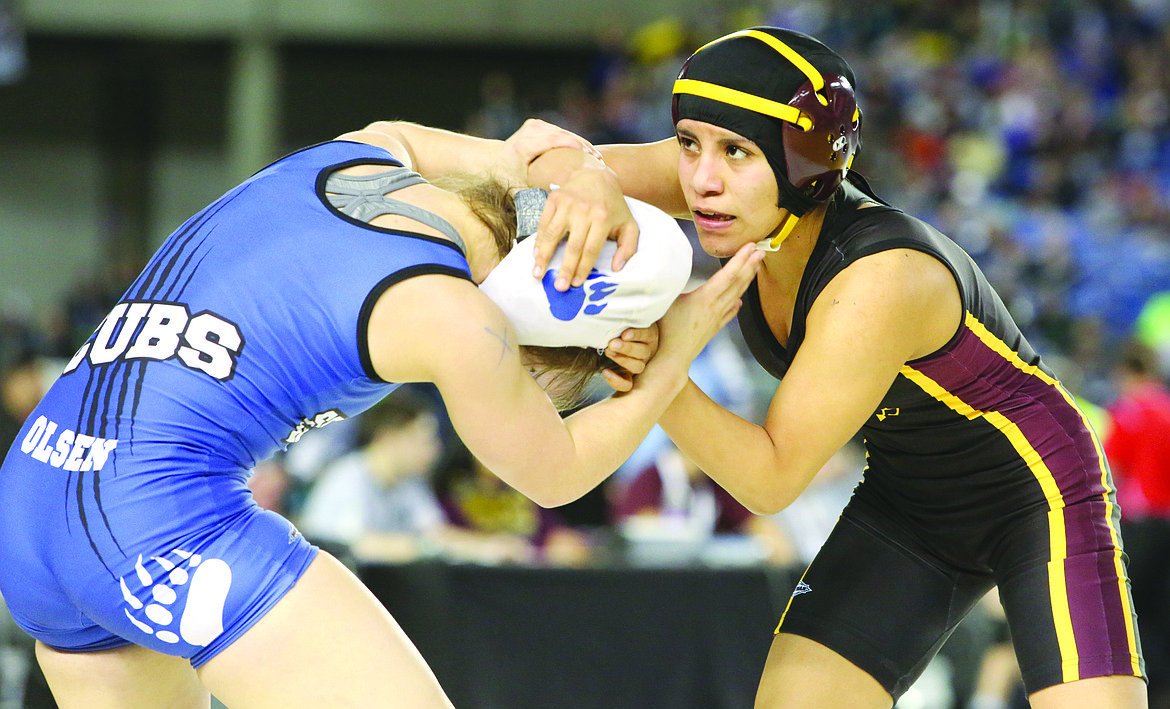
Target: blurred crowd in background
{"x":1036,"y":133}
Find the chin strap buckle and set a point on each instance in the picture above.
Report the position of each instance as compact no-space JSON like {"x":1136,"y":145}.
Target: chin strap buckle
{"x":774,"y":242}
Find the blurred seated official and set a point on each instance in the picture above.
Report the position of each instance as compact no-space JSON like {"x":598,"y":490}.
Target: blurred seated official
{"x":377,"y":499}
{"x":379,"y":503}
{"x":671,"y":511}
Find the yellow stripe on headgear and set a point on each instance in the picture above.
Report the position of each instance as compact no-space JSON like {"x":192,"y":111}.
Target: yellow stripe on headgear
{"x":742,"y":99}
{"x":756,"y":103}
{"x":789,"y":53}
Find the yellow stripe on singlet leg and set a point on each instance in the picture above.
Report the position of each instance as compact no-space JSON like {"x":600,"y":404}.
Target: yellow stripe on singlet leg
{"x":1058,"y":549}
{"x":1001,"y":348}
{"x":1115,"y":537}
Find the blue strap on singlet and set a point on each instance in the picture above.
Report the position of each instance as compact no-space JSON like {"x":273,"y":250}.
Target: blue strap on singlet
{"x":364,"y":197}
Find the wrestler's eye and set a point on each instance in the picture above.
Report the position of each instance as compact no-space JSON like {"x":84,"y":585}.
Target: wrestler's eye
{"x":737,"y":152}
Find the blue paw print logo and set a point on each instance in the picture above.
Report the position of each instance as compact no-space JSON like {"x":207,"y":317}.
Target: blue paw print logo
{"x":566,"y":305}
{"x":178,"y":596}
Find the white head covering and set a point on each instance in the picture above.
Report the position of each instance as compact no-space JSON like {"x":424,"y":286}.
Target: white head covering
{"x":608,"y":302}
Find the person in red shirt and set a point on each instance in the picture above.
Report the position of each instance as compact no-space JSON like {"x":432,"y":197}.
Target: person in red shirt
{"x":1138,"y":441}
{"x":1137,"y":445}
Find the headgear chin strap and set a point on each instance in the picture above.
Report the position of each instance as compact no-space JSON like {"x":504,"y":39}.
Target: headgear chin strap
{"x":801,"y":111}
{"x":592,"y":314}
{"x":776,"y":240}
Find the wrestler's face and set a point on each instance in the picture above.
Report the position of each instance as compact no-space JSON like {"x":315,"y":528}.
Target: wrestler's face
{"x":729,"y":186}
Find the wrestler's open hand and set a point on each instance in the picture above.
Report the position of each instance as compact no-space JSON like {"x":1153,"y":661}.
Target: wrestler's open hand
{"x":631,"y":351}
{"x":695,"y":317}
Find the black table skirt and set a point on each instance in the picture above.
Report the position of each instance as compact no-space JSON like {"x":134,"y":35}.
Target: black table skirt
{"x":593,"y":638}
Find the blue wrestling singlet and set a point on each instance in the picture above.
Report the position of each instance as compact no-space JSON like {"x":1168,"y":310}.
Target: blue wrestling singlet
{"x":124,"y":511}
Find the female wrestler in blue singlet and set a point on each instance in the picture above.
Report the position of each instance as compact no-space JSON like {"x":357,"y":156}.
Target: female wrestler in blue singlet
{"x":132,"y":550}
{"x":981,"y":470}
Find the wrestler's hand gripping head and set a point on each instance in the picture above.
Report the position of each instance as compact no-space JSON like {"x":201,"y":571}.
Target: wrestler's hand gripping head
{"x":592,"y":314}
{"x":790,"y":95}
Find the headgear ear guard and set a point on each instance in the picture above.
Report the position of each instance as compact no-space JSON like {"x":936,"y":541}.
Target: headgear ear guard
{"x":801,"y":112}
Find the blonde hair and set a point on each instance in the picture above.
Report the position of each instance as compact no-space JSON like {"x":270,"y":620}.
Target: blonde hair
{"x":490,"y":200}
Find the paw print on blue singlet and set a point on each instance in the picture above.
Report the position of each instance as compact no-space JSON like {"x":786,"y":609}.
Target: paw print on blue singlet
{"x":186,"y":597}
{"x":567,"y":304}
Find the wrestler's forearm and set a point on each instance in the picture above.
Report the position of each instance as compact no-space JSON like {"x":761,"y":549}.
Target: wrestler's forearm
{"x":436,"y":152}
{"x":649,"y":172}
{"x":738,"y":454}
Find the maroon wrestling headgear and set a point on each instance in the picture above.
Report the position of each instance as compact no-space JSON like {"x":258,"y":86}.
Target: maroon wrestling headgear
{"x":789,"y":94}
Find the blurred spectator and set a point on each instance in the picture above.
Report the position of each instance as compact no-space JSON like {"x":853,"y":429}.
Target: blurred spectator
{"x":997,"y":683}
{"x":723,"y":373}
{"x":673,"y":509}
{"x":22,"y":381}
{"x":13,"y":61}
{"x":316,"y":450}
{"x":499,"y":113}
{"x":1137,"y":441}
{"x":1137,"y":445}
{"x":499,"y":524}
{"x":674,"y":489}
{"x":396,"y":497}
{"x":377,"y":499}
{"x":15,"y":656}
{"x":82,"y":309}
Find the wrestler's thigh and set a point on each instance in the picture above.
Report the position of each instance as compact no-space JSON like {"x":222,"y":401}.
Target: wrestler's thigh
{"x":1117,"y":692}
{"x":1071,"y":619}
{"x":129,"y":677}
{"x":801,"y":673}
{"x":327,"y":642}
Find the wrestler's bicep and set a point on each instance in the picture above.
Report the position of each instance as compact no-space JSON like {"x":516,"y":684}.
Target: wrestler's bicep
{"x":467,"y":347}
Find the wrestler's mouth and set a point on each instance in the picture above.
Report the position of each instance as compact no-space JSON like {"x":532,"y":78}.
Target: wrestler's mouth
{"x":711,"y":219}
